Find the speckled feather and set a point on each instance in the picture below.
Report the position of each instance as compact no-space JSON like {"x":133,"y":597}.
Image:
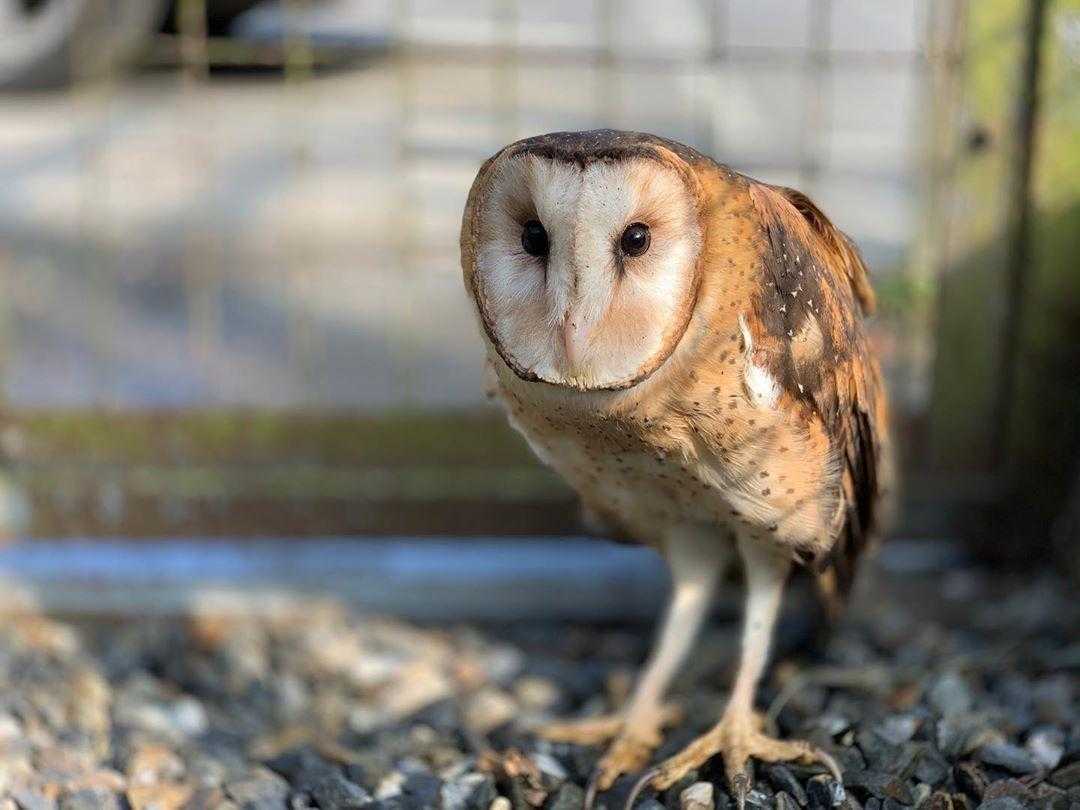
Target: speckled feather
{"x":765,"y":416}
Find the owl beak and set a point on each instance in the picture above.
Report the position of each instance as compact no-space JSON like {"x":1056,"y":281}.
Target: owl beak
{"x":575,"y":337}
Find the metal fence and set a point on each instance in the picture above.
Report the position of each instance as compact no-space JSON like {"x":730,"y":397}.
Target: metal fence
{"x":268,"y":221}
{"x":288,"y":239}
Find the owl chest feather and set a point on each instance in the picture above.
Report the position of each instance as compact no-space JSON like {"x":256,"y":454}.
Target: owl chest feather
{"x":717,"y":457}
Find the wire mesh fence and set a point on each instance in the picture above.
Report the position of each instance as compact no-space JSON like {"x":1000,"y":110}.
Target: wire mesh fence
{"x":289,"y":238}
{"x":263,"y":215}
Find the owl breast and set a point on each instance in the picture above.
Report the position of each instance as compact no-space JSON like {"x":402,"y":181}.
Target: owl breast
{"x":723,"y":459}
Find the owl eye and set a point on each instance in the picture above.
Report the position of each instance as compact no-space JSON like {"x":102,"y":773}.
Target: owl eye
{"x":534,"y":238}
{"x":635,"y":239}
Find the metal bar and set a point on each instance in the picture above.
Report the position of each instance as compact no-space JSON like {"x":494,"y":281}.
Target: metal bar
{"x":488,"y":578}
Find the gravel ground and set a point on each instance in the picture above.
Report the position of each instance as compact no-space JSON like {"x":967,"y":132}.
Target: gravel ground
{"x":950,"y":691}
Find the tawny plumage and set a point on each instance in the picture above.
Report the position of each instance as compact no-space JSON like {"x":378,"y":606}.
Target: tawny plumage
{"x":685,"y":345}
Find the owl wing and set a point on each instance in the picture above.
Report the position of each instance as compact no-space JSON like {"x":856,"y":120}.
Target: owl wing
{"x":809,"y":311}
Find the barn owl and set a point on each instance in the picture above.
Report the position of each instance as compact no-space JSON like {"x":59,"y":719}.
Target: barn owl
{"x":686,"y":347}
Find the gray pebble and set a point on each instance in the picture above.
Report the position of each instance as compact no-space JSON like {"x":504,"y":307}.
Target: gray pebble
{"x":1046,"y":746}
{"x":1066,"y":777}
{"x":1002,"y":803}
{"x":699,"y":796}
{"x":261,"y":790}
{"x":332,"y":791}
{"x":897,"y":729}
{"x":823,"y":792}
{"x":950,"y":695}
{"x":781,"y":778}
{"x":568,"y":797}
{"x":471,"y":791}
{"x":91,"y":799}
{"x":423,"y":787}
{"x":881,"y":785}
{"x":1012,"y":758}
{"x":31,"y":800}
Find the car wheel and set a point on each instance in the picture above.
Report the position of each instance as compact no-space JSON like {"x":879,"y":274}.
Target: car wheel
{"x":46,"y":43}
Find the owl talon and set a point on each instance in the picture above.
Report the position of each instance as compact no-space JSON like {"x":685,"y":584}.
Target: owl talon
{"x":638,"y":787}
{"x":591,"y":790}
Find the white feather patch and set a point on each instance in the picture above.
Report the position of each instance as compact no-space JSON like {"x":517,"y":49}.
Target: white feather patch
{"x":761,"y":386}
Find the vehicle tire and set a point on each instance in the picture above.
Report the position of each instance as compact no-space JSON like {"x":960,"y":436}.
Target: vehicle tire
{"x":47,"y":43}
{"x":220,"y":15}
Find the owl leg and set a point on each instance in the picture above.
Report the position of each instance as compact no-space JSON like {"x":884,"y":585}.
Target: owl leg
{"x":636,"y":728}
{"x":696,"y":560}
{"x":739,"y":736}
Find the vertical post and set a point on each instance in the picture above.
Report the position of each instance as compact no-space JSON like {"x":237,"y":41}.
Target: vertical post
{"x":610,"y":102}
{"x":814,"y":110}
{"x":302,"y":247}
{"x":1018,"y":228}
{"x":199,"y":260}
{"x":943,"y":87}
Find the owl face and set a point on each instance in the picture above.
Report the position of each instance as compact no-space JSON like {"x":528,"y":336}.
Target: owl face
{"x":583,"y":262}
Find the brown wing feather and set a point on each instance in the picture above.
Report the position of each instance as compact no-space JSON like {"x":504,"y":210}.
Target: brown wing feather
{"x":815,"y":280}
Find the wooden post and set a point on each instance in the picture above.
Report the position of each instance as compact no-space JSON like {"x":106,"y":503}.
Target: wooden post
{"x":1018,"y":230}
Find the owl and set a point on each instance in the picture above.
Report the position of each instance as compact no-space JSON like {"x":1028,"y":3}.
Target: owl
{"x":686,"y":347}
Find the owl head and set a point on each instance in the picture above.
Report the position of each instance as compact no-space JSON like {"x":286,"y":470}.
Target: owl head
{"x":581,"y":253}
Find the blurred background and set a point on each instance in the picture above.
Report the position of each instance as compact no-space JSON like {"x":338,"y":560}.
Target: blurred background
{"x":231,"y":312}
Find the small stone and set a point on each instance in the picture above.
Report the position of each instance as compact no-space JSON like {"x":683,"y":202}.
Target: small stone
{"x":1046,"y":746}
{"x":881,"y":785}
{"x":568,"y":797}
{"x":423,"y":787}
{"x":950,"y":695}
{"x":880,"y":755}
{"x":261,"y":790}
{"x":939,"y":800}
{"x":332,"y":791}
{"x":931,"y":767}
{"x":699,"y":796}
{"x":549,"y":766}
{"x":823,"y":792}
{"x":1066,"y":777}
{"x":959,"y":735}
{"x":1011,"y":788}
{"x":536,"y":693}
{"x":649,"y":803}
{"x":501,"y":803}
{"x":785,"y":802}
{"x":897,"y":729}
{"x":28,"y":799}
{"x":151,"y":764}
{"x":781,"y":778}
{"x":164,"y":796}
{"x":488,"y":709}
{"x":1003,"y":803}
{"x":832,"y":724}
{"x":920,"y":793}
{"x":1012,"y":758}
{"x":970,"y":779}
{"x":90,"y":799}
{"x":470,"y":791}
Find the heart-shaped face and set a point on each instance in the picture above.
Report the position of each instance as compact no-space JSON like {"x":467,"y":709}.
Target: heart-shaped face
{"x":584,"y":271}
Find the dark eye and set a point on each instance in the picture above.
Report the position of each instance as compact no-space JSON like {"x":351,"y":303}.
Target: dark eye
{"x":534,"y":238}
{"x":635,"y":239}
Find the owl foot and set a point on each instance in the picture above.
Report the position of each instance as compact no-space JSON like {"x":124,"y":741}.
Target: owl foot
{"x":633,"y":742}
{"x":737,"y":738}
